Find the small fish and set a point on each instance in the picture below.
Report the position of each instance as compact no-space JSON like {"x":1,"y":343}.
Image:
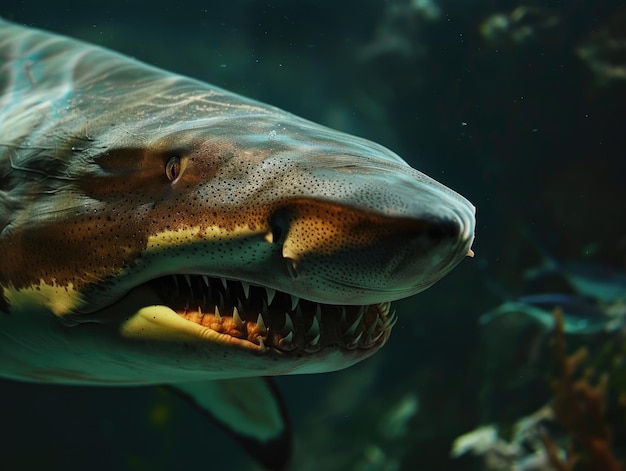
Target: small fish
{"x":585,"y":278}
{"x":580,"y":314}
{"x":591,"y":297}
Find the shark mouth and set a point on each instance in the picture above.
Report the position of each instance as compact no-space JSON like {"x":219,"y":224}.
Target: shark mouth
{"x":266,"y":319}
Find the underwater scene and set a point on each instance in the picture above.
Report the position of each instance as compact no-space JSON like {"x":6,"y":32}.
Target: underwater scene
{"x":516,"y":359}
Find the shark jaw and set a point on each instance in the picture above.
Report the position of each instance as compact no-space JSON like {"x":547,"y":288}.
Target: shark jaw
{"x":261,"y":320}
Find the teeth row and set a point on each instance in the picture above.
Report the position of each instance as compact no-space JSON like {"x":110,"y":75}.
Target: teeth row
{"x":313,"y":333}
{"x":269,"y":292}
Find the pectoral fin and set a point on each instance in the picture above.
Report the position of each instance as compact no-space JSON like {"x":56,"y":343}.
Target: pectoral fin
{"x":251,"y":410}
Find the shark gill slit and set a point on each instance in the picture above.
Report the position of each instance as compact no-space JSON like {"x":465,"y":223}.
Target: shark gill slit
{"x":272,"y":319}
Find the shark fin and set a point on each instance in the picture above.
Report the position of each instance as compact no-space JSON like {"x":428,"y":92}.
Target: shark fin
{"x":249,"y":409}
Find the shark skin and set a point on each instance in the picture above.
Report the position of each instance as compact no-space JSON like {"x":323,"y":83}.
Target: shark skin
{"x":155,"y":229}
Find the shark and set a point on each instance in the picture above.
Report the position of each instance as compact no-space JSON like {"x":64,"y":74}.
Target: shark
{"x":155,"y":229}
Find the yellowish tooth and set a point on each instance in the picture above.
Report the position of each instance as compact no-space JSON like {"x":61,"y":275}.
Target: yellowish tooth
{"x":260,"y":324}
{"x":236,"y":319}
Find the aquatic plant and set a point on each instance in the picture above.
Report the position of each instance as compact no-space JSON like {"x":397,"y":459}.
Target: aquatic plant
{"x":579,"y":407}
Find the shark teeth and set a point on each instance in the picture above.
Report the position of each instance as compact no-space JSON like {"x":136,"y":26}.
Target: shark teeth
{"x":314,"y":330}
{"x":288,"y":327}
{"x":246,"y":289}
{"x":355,"y":341}
{"x":270,"y":295}
{"x":275,"y":320}
{"x":315,"y":340}
{"x":294,"y":302}
{"x":352,"y":329}
{"x":261,"y":324}
{"x":236,"y":318}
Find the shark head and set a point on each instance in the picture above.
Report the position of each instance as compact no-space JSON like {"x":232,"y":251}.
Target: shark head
{"x":215,"y":240}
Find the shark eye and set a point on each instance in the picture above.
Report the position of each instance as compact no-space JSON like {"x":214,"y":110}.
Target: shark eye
{"x":173,"y":168}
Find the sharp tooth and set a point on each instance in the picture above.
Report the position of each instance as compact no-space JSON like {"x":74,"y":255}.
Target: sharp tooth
{"x":343,"y":319}
{"x":294,"y":302}
{"x":356,"y":339}
{"x":217,"y":314}
{"x":236,"y":319}
{"x":314,"y":329}
{"x":262,"y":344}
{"x":288,"y":338}
{"x":199,"y":310}
{"x":246,"y":289}
{"x":318,"y":312}
{"x":371,"y":329}
{"x":288,"y":324}
{"x":224,"y":283}
{"x":315,"y":341}
{"x":352,"y":329}
{"x":260,"y":324}
{"x":188,"y":278}
{"x":270,"y":295}
{"x":391,"y":321}
{"x":205,"y":278}
{"x":375,"y":339}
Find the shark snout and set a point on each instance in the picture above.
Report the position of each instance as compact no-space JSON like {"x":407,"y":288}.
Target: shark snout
{"x":348,"y":255}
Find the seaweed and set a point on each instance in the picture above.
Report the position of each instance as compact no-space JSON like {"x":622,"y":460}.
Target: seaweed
{"x":579,"y":407}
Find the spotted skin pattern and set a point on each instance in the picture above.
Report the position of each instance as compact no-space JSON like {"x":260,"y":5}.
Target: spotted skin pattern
{"x":114,"y":174}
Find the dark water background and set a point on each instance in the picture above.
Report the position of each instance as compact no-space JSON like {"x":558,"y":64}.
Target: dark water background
{"x":527,"y":129}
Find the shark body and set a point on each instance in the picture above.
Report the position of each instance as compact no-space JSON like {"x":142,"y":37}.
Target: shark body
{"x":156,"y":229}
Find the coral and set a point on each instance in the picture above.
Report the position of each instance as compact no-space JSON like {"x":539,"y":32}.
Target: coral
{"x":579,"y":407}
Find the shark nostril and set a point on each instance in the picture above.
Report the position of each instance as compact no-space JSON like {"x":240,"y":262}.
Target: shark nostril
{"x":443,"y":229}
{"x":277,"y":234}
